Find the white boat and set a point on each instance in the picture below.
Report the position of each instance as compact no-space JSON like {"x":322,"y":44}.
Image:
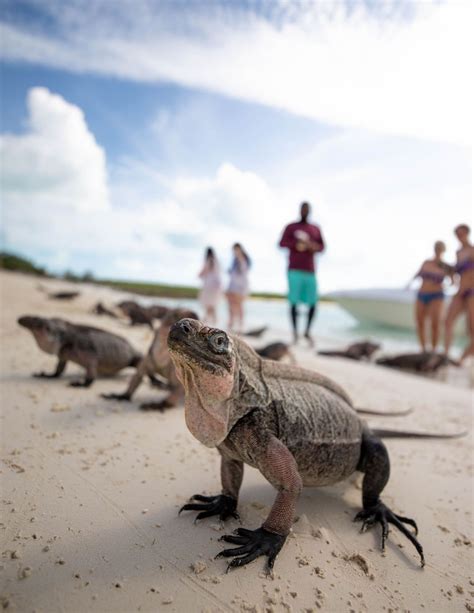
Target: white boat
{"x":394,"y":308}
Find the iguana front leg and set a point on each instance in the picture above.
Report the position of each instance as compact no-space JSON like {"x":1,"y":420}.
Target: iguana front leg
{"x":54,"y":375}
{"x":278,"y":466}
{"x":225,"y":504}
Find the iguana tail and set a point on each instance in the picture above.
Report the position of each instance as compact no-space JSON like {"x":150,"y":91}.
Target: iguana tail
{"x":382,"y":433}
{"x":383,"y":413}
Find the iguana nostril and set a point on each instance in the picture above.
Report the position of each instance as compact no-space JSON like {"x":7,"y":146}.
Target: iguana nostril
{"x":177,"y":331}
{"x":185,"y":328}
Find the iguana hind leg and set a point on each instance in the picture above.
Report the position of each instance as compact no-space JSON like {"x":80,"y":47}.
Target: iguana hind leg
{"x":375,"y":464}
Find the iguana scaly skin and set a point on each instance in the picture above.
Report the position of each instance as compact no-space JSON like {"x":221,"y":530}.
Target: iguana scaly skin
{"x":157,"y":361}
{"x":98,"y":351}
{"x":297,"y":427}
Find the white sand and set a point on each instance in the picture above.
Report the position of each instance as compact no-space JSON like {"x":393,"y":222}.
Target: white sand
{"x":91,"y":490}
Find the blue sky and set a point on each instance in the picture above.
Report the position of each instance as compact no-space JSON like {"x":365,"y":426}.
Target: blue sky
{"x":136,"y":133}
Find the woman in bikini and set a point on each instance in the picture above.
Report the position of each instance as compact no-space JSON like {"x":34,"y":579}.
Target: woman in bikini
{"x":463,"y":300}
{"x":429,"y":302}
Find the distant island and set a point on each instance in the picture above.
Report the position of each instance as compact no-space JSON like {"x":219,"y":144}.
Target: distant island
{"x":18,"y":263}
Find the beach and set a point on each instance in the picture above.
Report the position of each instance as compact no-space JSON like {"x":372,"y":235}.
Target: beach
{"x":90,"y":493}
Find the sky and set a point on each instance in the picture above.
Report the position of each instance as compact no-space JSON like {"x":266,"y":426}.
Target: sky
{"x":136,"y":133}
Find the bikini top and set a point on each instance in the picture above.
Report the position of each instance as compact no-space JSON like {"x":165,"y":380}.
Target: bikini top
{"x":464,"y":266}
{"x":432,"y":276}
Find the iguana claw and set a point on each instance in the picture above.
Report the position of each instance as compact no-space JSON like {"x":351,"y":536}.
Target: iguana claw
{"x":224,"y":506}
{"x":381,"y":514}
{"x":115,"y":396}
{"x":252,"y":544}
{"x":157,"y":406}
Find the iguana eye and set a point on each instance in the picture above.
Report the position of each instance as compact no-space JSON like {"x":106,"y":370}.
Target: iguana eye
{"x":219,"y":342}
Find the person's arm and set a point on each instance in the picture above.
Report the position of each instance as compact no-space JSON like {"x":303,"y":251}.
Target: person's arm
{"x":450,"y":271}
{"x":243,"y":264}
{"x":415,"y":276}
{"x":316,"y":245}
{"x":288,"y":240}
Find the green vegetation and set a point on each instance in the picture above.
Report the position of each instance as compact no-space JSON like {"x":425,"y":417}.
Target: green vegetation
{"x":151,"y":289}
{"x":168,"y":291}
{"x":10,"y":261}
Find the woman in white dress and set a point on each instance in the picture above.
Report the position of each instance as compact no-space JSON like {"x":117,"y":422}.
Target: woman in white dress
{"x":238,"y":287}
{"x":210,"y":293}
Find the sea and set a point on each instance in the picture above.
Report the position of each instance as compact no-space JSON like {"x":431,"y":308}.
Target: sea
{"x":333,"y":327}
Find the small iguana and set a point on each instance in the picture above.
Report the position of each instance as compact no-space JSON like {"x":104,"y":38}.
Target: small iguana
{"x":296,"y":426}
{"x":356,"y":351}
{"x":100,"y":309}
{"x":98,"y":351}
{"x":139,"y":314}
{"x":157,"y":361}
{"x":256,"y":332}
{"x":427,"y":362}
{"x":276,"y":351}
{"x":63,"y":295}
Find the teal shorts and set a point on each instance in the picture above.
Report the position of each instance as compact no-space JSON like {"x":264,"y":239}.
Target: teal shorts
{"x":302,"y":287}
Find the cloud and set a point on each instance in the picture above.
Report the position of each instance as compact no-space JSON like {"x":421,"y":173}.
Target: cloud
{"x":382,"y":202}
{"x":398,"y":71}
{"x":58,"y":163}
{"x":57,"y":201}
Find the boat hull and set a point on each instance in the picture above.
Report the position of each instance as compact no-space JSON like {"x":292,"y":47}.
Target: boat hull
{"x":389,"y":308}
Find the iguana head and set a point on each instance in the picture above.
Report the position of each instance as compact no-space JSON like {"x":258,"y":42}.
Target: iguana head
{"x":45,"y":331}
{"x":161,"y":353}
{"x":205,"y":363}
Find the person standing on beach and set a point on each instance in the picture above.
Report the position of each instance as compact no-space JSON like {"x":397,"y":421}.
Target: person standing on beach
{"x":210,"y":293}
{"x":430,"y":297}
{"x":303,"y":240}
{"x":238,"y":287}
{"x":463,"y":300}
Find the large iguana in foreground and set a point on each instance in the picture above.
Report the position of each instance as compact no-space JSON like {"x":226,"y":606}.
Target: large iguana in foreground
{"x":296,"y":426}
{"x":99,"y":352}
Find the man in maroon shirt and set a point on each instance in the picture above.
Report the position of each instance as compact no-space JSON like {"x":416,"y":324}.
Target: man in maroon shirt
{"x":303,"y":239}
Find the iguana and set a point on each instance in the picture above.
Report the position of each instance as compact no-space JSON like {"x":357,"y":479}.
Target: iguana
{"x":356,"y":351}
{"x":276,"y":351}
{"x":296,"y":426}
{"x":100,"y":309}
{"x":139,"y":314}
{"x":427,"y":362}
{"x":256,"y":332}
{"x":157,"y":361}
{"x":63,"y":295}
{"x":98,"y":351}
